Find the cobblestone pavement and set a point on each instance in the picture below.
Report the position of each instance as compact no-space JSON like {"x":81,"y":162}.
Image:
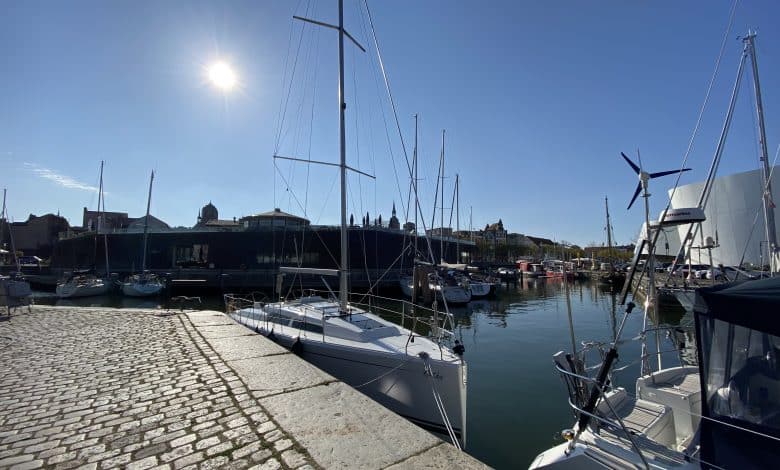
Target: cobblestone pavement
{"x":104,"y":388}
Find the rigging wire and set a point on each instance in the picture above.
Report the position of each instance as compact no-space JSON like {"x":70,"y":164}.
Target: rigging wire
{"x":285,"y":99}
{"x":382,"y":109}
{"x":699,"y":118}
{"x":759,"y":210}
{"x":400,"y":134}
{"x":707,"y":94}
{"x":292,"y":194}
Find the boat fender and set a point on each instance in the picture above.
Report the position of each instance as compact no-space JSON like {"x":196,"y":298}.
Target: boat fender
{"x":271,"y":336}
{"x":297,"y":347}
{"x":459,"y":349}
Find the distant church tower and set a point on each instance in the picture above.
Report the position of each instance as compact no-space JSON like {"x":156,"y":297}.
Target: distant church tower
{"x":208,"y":213}
{"x":394,"y":223}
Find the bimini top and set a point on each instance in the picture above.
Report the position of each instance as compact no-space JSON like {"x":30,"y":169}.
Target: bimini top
{"x":752,"y":304}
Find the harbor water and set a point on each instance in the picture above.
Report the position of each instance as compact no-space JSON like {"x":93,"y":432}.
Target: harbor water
{"x":517,"y":403}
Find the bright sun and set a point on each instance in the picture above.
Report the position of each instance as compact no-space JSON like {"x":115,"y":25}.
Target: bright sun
{"x":222,"y":76}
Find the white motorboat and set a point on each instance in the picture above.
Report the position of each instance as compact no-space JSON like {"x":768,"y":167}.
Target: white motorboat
{"x":418,"y":377}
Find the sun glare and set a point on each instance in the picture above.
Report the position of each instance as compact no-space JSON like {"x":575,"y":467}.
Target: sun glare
{"x":222,"y":76}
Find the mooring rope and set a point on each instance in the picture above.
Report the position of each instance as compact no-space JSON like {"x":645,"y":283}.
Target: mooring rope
{"x":385,"y":374}
{"x":439,"y":402}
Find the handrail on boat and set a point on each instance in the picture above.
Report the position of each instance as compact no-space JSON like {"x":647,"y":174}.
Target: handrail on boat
{"x":235,"y":303}
{"x":602,"y":395}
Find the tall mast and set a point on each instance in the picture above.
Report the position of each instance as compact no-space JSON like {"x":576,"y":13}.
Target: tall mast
{"x":342,"y":167}
{"x":2,"y":221}
{"x":10,"y":235}
{"x":609,"y":230}
{"x":146,"y":222}
{"x":457,"y":218}
{"x":101,"y":218}
{"x":441,"y":175}
{"x":96,"y":227}
{"x":343,"y":269}
{"x":414,"y":177}
{"x":471,"y":228}
{"x":769,"y":213}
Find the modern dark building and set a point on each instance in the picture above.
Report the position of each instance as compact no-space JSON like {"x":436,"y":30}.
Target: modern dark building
{"x":248,"y":257}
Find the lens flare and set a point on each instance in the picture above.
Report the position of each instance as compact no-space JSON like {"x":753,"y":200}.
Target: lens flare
{"x":222,"y":76}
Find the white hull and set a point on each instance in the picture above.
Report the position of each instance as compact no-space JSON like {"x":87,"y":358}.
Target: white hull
{"x":71,"y":290}
{"x":668,"y":408}
{"x":479,"y":289}
{"x":136,"y":289}
{"x":384,"y":368}
{"x":453,"y":294}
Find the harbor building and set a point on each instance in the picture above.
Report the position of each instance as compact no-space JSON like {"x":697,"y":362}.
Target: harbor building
{"x":735,"y":220}
{"x":247,"y":254}
{"x":36,"y":236}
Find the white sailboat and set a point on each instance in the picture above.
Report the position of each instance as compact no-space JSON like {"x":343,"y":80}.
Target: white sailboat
{"x":723,"y":413}
{"x":144,"y":284}
{"x":418,"y":377}
{"x":448,"y":288}
{"x":87,"y":283}
{"x":14,"y":290}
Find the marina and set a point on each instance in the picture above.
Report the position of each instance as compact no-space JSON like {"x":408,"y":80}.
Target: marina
{"x":298,"y":328}
{"x":525,"y":325}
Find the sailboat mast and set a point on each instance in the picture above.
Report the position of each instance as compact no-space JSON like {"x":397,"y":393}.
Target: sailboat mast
{"x":146,"y":223}
{"x":441,"y":175}
{"x":414,"y":177}
{"x":2,"y":221}
{"x":102,"y":218}
{"x":609,"y":230}
{"x":342,"y":167}
{"x":457,"y":218}
{"x":769,"y":213}
{"x":471,"y":226}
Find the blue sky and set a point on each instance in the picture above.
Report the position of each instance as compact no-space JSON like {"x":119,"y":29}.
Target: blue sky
{"x":538,"y":100}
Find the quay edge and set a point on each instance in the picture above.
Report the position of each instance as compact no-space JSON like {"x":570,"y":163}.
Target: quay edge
{"x":135,"y":387}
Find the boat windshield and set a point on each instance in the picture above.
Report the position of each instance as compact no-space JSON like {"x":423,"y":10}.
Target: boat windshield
{"x":742,"y":369}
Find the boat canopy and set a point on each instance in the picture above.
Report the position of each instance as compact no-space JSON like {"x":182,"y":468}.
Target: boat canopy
{"x":752,"y":304}
{"x":739,"y":364}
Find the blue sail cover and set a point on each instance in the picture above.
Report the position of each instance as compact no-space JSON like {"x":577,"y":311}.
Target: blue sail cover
{"x":738,"y":339}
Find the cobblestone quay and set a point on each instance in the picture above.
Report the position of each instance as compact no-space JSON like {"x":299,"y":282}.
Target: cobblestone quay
{"x":105,"y":388}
